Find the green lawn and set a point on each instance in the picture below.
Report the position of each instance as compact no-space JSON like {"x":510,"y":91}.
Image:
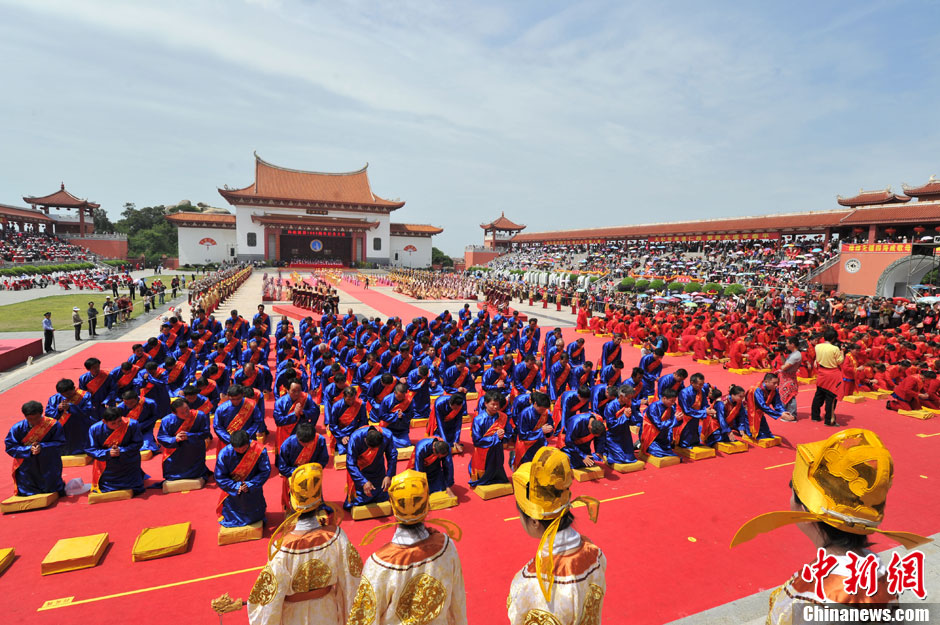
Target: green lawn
{"x":27,"y":316}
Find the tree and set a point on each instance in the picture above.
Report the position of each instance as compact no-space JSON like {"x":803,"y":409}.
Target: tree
{"x":148,"y":232}
{"x":101,"y":221}
{"x":440,"y":258}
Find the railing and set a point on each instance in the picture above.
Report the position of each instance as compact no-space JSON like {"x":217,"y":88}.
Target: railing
{"x":818,"y":271}
{"x":111,"y":237}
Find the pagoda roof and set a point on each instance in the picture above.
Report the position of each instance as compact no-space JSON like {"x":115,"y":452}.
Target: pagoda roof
{"x":869,"y":198}
{"x":313,"y":221}
{"x":282,"y":184}
{"x":789,"y":222}
{"x":413,"y":229}
{"x":60,"y":199}
{"x":204,"y":220}
{"x":15,"y":212}
{"x":930,"y":190}
{"x":913,"y":213}
{"x":502,"y":224}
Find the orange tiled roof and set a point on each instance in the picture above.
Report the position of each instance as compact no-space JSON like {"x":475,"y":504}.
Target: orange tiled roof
{"x":420,"y":229}
{"x":273,"y":182}
{"x":915,"y":213}
{"x":210,"y":220}
{"x":502,"y":224}
{"x":930,"y":190}
{"x":16,"y":212}
{"x":60,"y":199}
{"x":868,"y":198}
{"x":797,"y":222}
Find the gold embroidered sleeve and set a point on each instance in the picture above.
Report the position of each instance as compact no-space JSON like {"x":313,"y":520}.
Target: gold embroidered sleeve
{"x":363,"y":608}
{"x":591,"y":610}
{"x":265,"y":588}
{"x":421,"y":601}
{"x":540,"y":617}
{"x":353,"y":561}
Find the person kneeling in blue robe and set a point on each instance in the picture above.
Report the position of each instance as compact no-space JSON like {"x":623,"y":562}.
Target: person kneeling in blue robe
{"x":115,"y":444}
{"x":488,"y":433}
{"x":241,"y":470}
{"x":145,"y":412}
{"x":658,"y":423}
{"x":618,"y":414}
{"x":585,"y":430}
{"x":432,"y":457}
{"x":395,"y":414}
{"x":371,"y":459}
{"x":36,"y":445}
{"x":183,"y":434}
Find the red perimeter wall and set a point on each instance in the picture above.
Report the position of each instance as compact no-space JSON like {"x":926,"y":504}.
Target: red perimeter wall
{"x":473,"y":258}
{"x":107,"y":248}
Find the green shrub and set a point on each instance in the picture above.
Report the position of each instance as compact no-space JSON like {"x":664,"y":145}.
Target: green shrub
{"x":657,"y":284}
{"x":642,"y":285}
{"x":713,"y":286}
{"x":735,"y":289}
{"x":626,"y":284}
{"x":693,"y":287}
{"x":20,"y":270}
{"x":676,"y":286}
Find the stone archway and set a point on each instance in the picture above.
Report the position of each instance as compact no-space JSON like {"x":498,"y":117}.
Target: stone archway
{"x":909,"y":270}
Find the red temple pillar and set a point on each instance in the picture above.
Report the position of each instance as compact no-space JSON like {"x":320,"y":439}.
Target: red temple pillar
{"x":872,"y":233}
{"x":81,"y":222}
{"x":277,"y":244}
{"x":363,"y":254}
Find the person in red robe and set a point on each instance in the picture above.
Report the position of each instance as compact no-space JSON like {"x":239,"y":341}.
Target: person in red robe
{"x":909,"y":394}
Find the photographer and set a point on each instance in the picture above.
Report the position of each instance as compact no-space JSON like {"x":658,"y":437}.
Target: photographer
{"x":829,"y":358}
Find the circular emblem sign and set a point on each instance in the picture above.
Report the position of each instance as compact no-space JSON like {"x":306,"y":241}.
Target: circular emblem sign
{"x":852,"y":265}
{"x":316,"y":245}
{"x":207,"y":242}
{"x":411,"y":248}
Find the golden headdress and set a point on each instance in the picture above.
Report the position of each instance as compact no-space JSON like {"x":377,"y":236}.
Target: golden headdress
{"x":306,"y":494}
{"x":842,"y":481}
{"x":408,"y":494}
{"x":543,"y":492}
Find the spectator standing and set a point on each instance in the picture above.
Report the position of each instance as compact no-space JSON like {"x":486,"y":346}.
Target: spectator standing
{"x":92,"y":313}
{"x":48,"y":332}
{"x":77,"y":323}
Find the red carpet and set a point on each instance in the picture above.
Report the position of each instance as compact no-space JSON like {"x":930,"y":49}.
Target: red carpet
{"x":664,"y":546}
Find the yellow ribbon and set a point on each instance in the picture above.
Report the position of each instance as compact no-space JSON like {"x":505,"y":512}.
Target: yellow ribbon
{"x":545,"y":559}
{"x":277,"y":538}
{"x":450,"y":528}
{"x":772,"y":520}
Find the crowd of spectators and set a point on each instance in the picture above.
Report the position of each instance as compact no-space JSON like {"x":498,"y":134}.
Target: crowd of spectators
{"x":30,"y":247}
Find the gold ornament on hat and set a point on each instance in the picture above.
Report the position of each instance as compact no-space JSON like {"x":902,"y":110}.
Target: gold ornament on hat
{"x":542,"y":489}
{"x":843,"y":482}
{"x":306,"y":494}
{"x":410,"y":500}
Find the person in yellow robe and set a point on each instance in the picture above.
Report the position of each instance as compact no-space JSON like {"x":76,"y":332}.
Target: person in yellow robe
{"x":565,"y":583}
{"x":838,"y":493}
{"x":313,"y":570}
{"x":415,"y":578}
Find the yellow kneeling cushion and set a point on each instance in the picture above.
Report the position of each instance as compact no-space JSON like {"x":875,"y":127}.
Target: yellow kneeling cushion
{"x":6,"y":558}
{"x":71,"y":554}
{"x":160,"y":542}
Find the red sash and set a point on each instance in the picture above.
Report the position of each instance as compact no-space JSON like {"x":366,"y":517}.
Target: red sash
{"x":35,"y":435}
{"x":405,"y":364}
{"x":350,"y":413}
{"x":178,"y":367}
{"x":199,"y":344}
{"x":135,"y":412}
{"x":460,"y":379}
{"x":432,"y":421}
{"x":128,"y":377}
{"x":187,"y":423}
{"x":306,"y":453}
{"x":242,"y":470}
{"x":612,"y":356}
{"x":557,"y":412}
{"x":250,"y":381}
{"x":239,"y":420}
{"x":432,"y":458}
{"x":284,"y":431}
{"x":404,"y":404}
{"x":478,"y":458}
{"x":95,"y":383}
{"x":152,"y":352}
{"x":753,"y":416}
{"x":376,"y":367}
{"x":114,"y":438}
{"x":650,"y":431}
{"x":171,"y":339}
{"x":530,"y":378}
{"x":561,"y":380}
{"x":364,"y":459}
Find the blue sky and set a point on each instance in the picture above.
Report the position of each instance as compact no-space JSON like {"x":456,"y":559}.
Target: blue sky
{"x":560,"y":114}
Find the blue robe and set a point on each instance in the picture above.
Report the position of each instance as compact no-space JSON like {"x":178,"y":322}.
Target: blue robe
{"x":248,"y":507}
{"x":284,"y":416}
{"x":146,"y":420}
{"x":449,"y":380}
{"x":491,"y":378}
{"x":41,"y":473}
{"x":100,"y":397}
{"x":610,"y":349}
{"x":340,"y":431}
{"x":664,"y":420}
{"x":669,"y":381}
{"x":382,"y":466}
{"x":122,"y":472}
{"x":493,"y":471}
{"x":398,"y":423}
{"x":772,"y":408}
{"x":525,"y":430}
{"x":421,"y":387}
{"x":81,"y":417}
{"x":690,"y":434}
{"x":224,"y":415}
{"x":652,"y":368}
{"x":449,"y":431}
{"x":619,"y":436}
{"x":440,"y":471}
{"x":559,"y":377}
{"x":291,"y":448}
{"x":579,"y":428}
{"x":188,"y":461}
{"x":158,"y":392}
